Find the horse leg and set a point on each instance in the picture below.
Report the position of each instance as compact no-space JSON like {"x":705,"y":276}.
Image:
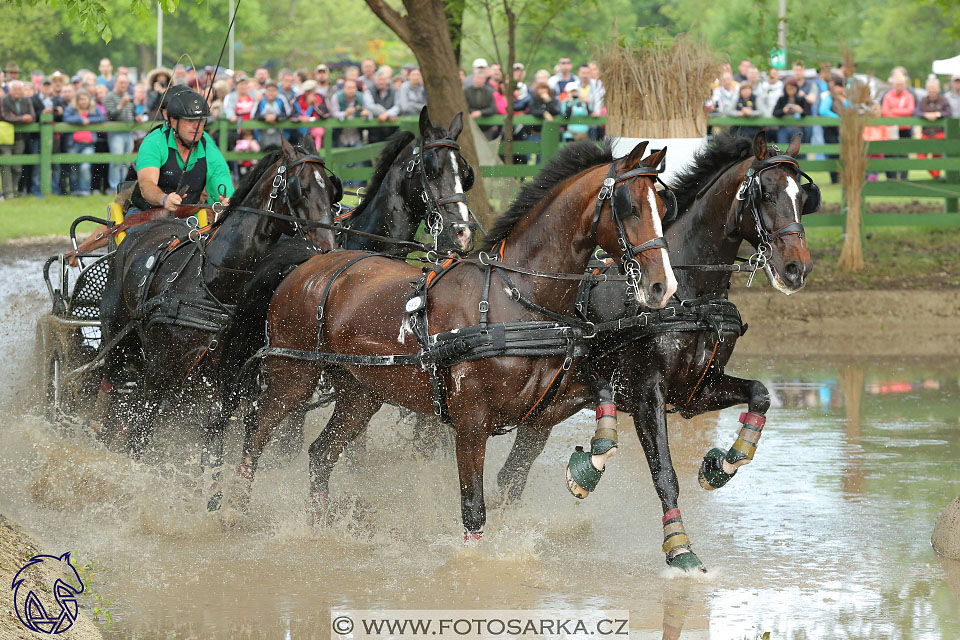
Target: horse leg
{"x":650,"y":419}
{"x":719,"y":466}
{"x":145,"y":408}
{"x":585,"y":468}
{"x":527,"y":446}
{"x":471,"y":445}
{"x":211,"y":454}
{"x":289,"y":383}
{"x":355,"y":406}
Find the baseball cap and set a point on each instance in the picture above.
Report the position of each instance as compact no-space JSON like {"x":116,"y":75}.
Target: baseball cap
{"x":76,"y":78}
{"x":46,"y":80}
{"x":518,"y":65}
{"x":480,"y":62}
{"x":322,"y":67}
{"x":308,"y":86}
{"x":57,"y":74}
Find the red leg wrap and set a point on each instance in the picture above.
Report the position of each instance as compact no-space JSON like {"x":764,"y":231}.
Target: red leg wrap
{"x":672,"y":514}
{"x":606,"y":409}
{"x":753,"y":419}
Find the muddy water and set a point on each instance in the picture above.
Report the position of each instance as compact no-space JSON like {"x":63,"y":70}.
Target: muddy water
{"x":826,"y":535}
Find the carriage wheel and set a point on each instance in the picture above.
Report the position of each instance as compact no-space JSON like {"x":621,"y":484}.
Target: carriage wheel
{"x":49,"y":373}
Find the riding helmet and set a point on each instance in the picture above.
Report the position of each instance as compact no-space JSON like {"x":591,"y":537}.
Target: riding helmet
{"x":187,"y":104}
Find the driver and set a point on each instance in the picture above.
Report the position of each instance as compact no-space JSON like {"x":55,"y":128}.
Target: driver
{"x":178,"y":161}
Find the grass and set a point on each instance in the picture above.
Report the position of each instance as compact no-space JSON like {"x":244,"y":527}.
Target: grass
{"x":32,"y":217}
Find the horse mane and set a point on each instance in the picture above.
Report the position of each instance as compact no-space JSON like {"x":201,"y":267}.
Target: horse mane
{"x":249,"y":181}
{"x":724,"y":150}
{"x":395,"y":144}
{"x":572,"y":159}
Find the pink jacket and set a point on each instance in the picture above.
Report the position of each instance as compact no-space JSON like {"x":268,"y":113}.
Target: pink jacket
{"x":898,"y":106}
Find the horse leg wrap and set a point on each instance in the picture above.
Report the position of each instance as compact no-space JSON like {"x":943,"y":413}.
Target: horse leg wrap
{"x":472,"y":536}
{"x":712,"y":475}
{"x":676,"y":544}
{"x":585,"y":469}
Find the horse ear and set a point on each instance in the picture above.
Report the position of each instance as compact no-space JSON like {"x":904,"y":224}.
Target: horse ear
{"x":794,"y":148}
{"x":425,"y":123}
{"x":456,"y":125}
{"x":286,"y":147}
{"x":656,"y":159}
{"x":636,"y":155}
{"x":760,"y":145}
{"x":308,"y":144}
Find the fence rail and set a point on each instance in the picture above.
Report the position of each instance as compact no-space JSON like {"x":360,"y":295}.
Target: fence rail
{"x":820,"y":158}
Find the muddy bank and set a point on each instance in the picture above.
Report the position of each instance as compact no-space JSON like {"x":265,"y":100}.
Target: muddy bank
{"x":16,"y":549}
{"x":851,"y":323}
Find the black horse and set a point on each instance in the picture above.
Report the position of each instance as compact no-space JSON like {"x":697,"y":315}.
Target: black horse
{"x":416,"y":179}
{"x":735,"y":190}
{"x":172,"y":289}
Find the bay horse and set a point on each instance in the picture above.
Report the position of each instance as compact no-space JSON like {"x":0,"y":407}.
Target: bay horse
{"x":416,"y":179}
{"x":356,"y":307}
{"x":172,"y":288}
{"x":736,"y":189}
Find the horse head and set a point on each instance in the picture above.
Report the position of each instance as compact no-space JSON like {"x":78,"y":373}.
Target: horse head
{"x":446,"y":176}
{"x":632,"y":232}
{"x":309,"y":190}
{"x":770,"y":202}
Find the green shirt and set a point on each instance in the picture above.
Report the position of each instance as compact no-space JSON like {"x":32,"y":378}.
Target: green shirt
{"x":155,"y":149}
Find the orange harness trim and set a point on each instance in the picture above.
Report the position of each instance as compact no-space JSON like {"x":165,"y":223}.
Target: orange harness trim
{"x":195,"y":363}
{"x":449,"y":262}
{"x":177,"y":241}
{"x":703,"y":375}
{"x":542,"y":395}
{"x":344,"y":216}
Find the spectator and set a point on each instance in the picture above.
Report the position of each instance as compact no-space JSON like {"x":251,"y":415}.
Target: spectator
{"x":725,"y":96}
{"x":898,"y":103}
{"x":42,"y":103}
{"x":310,"y":106}
{"x":463,"y":77}
{"x":221,"y":89}
{"x":479,"y":97}
{"x":934,"y":106}
{"x":32,"y":141}
{"x":99,"y":172}
{"x":12,"y":72}
{"x":559,"y":82}
{"x":239,"y":105}
{"x":324,"y":87}
{"x":397,"y":81}
{"x":830,"y":105}
{"x":120,"y":108}
{"x":760,"y":97}
{"x":479,"y":67}
{"x":575,"y":106}
{"x":810,"y":92}
{"x":588,"y":90}
{"x":82,"y":112}
{"x":61,"y":101}
{"x":543,"y":104}
{"x":350,"y":73}
{"x":521,"y":93}
{"x":743,"y":71}
{"x":286,"y":87}
{"x":258,"y":87}
{"x":413,"y":95}
{"x":272,"y":108}
{"x":347,"y":104}
{"x":179,"y":74}
{"x":368,"y":68}
{"x":790,"y":105}
{"x":157,"y":82}
{"x":746,"y":107}
{"x":140,"y":109}
{"x":772,"y":87}
{"x":541,"y":75}
{"x":496,"y":85}
{"x":247,"y":143}
{"x":16,"y":109}
{"x":953,"y":95}
{"x":106,"y":74}
{"x":380,"y":100}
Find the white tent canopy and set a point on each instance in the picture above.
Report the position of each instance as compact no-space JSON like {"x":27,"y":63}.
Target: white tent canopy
{"x":947,"y":67}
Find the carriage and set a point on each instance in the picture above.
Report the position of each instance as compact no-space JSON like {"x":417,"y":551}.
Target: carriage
{"x":68,"y":335}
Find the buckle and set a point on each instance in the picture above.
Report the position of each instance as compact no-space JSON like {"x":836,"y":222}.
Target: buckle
{"x":484,"y":306}
{"x":566,"y":363}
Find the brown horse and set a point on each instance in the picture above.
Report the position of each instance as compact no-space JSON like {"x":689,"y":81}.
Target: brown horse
{"x":353,"y":305}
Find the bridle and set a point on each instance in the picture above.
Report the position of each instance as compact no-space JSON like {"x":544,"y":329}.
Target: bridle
{"x":417,"y":169}
{"x":621,"y":204}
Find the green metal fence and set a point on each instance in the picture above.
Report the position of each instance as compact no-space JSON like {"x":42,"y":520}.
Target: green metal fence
{"x":551,"y":139}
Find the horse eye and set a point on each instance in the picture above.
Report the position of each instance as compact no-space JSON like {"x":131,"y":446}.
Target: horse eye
{"x":768,"y":197}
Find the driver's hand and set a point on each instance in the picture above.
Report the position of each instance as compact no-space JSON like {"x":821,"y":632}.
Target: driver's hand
{"x":71,"y":257}
{"x":224,"y":200}
{"x":172,"y":201}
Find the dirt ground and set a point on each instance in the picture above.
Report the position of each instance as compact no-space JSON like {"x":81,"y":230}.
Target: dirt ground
{"x":16,"y":548}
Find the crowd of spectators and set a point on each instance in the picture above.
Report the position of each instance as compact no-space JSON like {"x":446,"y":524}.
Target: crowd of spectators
{"x":379,"y":93}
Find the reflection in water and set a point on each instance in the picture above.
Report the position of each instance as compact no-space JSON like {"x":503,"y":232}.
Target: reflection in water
{"x":825,"y":535}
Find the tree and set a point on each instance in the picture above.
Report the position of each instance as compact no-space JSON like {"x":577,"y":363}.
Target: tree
{"x":424,"y":29}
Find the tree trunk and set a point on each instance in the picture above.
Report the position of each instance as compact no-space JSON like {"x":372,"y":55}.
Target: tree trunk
{"x":454,"y":11}
{"x":425,"y":30}
{"x":511,"y":83}
{"x":146,"y":60}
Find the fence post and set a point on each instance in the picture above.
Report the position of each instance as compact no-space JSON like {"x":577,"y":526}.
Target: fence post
{"x":549,"y":139}
{"x":46,"y":153}
{"x":223,"y":142}
{"x":952,"y":130}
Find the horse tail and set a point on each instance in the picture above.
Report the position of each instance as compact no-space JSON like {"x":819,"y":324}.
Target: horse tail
{"x":247,"y":334}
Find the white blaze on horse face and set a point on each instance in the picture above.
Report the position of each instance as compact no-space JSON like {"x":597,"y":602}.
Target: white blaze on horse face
{"x":671,"y":282}
{"x":319,"y":178}
{"x":793,"y":192}
{"x":458,"y":188}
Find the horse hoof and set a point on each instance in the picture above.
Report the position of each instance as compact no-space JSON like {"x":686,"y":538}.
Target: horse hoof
{"x":471,"y":538}
{"x":582,"y":476}
{"x":213,"y":503}
{"x":320,"y":507}
{"x":712,"y":476}
{"x":687,"y":562}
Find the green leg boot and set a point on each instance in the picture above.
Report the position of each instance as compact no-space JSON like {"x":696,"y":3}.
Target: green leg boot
{"x":676,"y":544}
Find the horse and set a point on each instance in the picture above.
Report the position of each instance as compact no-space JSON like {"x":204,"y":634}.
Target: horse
{"x":408,"y":185}
{"x":735,"y":190}
{"x":172,"y":288}
{"x":355,"y":307}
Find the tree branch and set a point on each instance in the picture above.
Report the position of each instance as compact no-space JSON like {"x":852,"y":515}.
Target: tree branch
{"x":493,"y":30}
{"x":392,"y":18}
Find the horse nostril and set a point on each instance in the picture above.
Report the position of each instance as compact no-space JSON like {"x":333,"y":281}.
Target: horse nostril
{"x":793,"y":270}
{"x":658,"y":289}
